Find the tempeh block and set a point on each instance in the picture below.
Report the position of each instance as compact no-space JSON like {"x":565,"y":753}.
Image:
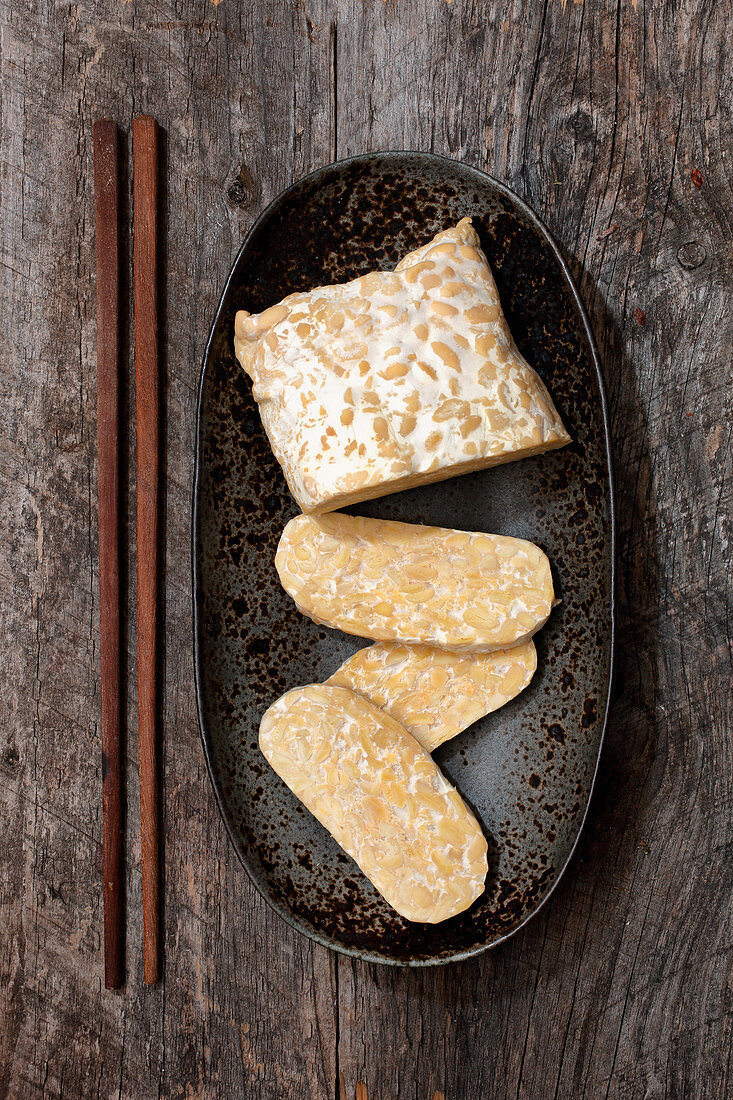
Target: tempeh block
{"x":433,"y":693}
{"x":458,"y":590}
{"x":377,"y":791}
{"x":395,"y":379}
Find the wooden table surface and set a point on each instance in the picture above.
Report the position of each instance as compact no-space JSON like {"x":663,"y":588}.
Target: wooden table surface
{"x":613,"y":121}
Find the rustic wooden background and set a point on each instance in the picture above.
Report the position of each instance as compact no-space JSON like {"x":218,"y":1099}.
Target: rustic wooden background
{"x":613,"y":121}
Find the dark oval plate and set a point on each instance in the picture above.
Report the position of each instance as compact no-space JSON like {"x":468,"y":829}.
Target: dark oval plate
{"x":528,"y":769}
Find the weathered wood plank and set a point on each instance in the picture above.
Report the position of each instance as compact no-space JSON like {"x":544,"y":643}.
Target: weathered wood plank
{"x":598,"y":117}
{"x":223,"y":84}
{"x":621,"y":987}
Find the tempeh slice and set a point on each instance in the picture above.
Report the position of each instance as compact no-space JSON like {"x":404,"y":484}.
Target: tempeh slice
{"x":377,"y":791}
{"x":458,"y":590}
{"x":433,"y":693}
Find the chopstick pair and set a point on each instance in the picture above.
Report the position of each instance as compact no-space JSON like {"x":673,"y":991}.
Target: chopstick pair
{"x":107,"y":202}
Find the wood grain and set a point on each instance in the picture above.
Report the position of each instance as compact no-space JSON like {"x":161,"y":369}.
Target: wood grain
{"x":147,"y":421}
{"x":595,"y":113}
{"x":107,"y":218}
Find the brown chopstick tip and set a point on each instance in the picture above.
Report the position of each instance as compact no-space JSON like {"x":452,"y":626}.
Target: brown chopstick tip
{"x":106,"y":163}
{"x":144,"y":126}
{"x":104,"y":127}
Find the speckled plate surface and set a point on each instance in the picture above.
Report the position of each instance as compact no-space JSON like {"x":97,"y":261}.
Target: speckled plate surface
{"x":528,"y":769}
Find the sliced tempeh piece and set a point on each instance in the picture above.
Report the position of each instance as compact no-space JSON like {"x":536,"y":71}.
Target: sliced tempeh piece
{"x":389,"y":581}
{"x":369,"y":782}
{"x":433,"y":693}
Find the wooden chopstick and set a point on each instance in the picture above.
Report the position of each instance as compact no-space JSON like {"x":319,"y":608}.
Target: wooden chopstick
{"x":107,"y":246}
{"x":145,"y":259}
